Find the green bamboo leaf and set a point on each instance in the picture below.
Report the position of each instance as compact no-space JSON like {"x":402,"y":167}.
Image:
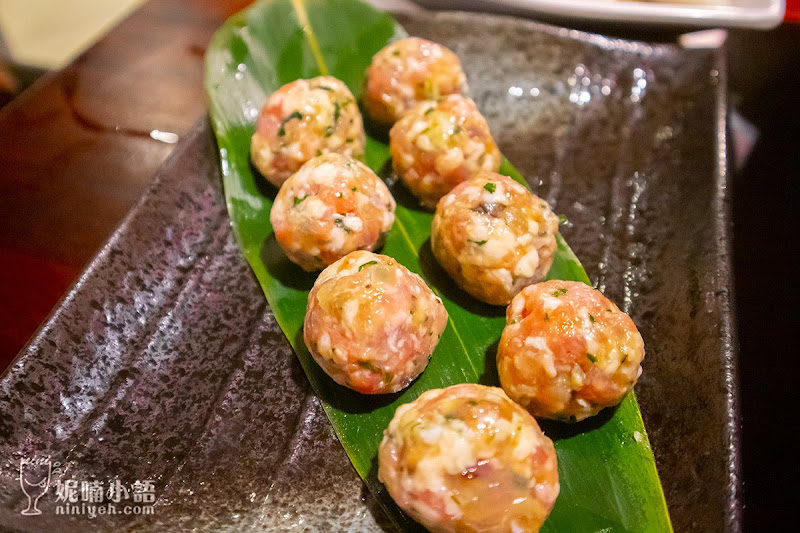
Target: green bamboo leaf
{"x":607,"y":470}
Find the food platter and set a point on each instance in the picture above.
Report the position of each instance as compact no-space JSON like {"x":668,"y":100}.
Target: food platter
{"x":334,"y":330}
{"x":203,"y":251}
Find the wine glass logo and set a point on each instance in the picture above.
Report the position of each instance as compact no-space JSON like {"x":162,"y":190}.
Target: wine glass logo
{"x":34,"y":478}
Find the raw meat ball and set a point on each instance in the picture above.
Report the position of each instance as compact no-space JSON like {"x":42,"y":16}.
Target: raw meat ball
{"x":407,"y":72}
{"x":567,"y":352}
{"x":372,"y":324}
{"x":330,"y":207}
{"x":494,"y":237}
{"x":303,"y":119}
{"x":467,"y":458}
{"x":438,"y":145}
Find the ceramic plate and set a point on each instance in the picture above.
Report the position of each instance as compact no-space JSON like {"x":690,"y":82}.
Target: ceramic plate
{"x":762,"y":14}
{"x":163,"y":386}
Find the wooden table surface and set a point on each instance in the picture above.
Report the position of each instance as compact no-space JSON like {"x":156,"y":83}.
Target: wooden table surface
{"x":76,"y":151}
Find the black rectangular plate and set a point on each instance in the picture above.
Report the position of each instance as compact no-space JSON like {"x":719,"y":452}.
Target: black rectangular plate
{"x":164,"y":362}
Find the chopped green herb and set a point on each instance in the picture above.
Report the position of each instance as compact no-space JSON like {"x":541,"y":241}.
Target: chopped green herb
{"x":559,"y":292}
{"x":491,"y":187}
{"x":337,"y":111}
{"x":297,"y":199}
{"x":520,"y":481}
{"x":354,"y":188}
{"x":368,"y":263}
{"x":340,"y":223}
{"x":338,"y":194}
{"x":473,"y":402}
{"x":319,"y":153}
{"x":369,"y":366}
{"x":592,"y":358}
{"x":608,"y":311}
{"x":348,"y":140}
{"x":591,"y":318}
{"x":295,"y":115}
{"x":396,"y":53}
{"x":428,"y":111}
{"x":478,"y":243}
{"x":562,"y":219}
{"x":328,"y":131}
{"x":431,"y":90}
{"x":456,"y":130}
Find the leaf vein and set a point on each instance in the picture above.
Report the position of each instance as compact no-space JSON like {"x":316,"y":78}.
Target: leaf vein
{"x":302,"y":16}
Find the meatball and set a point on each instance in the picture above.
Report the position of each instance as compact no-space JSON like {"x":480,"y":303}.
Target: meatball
{"x":330,"y":207}
{"x":407,"y":72}
{"x":372,"y":324}
{"x":302,"y":119}
{"x":494,"y":237}
{"x":567,"y":352}
{"x":467,"y":458}
{"x":437,"y":145}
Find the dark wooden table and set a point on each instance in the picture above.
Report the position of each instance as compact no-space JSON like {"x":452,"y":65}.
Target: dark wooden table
{"x":76,"y":151}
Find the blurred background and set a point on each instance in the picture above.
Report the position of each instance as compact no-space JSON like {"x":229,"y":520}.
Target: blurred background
{"x":47,"y":235}
{"x":48,"y":33}
{"x":40,"y":35}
